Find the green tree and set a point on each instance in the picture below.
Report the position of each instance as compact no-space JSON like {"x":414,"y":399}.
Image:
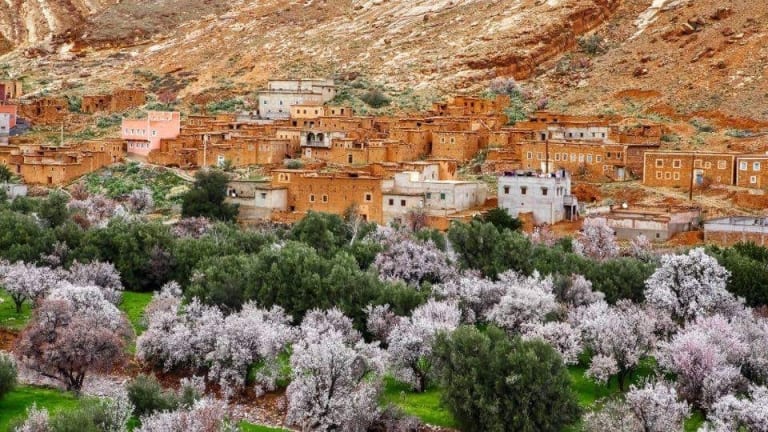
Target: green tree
{"x":620,"y":278}
{"x":492,"y":383}
{"x":749,"y":273}
{"x":6,"y":175}
{"x":482,"y":247}
{"x":325,"y":232}
{"x":7,"y":375}
{"x":500,"y":219}
{"x":54,"y":209}
{"x":206,"y":198}
{"x":22,"y":238}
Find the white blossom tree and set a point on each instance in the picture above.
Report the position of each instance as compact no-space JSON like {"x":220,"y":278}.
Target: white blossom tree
{"x":689,"y":286}
{"x":141,"y":200}
{"x":27,"y":282}
{"x":526,"y":300}
{"x":576,"y":291}
{"x":413,"y":262}
{"x":736,"y":414}
{"x":619,"y":336}
{"x":562,"y":336}
{"x":101,"y":274}
{"x":641,"y":248}
{"x":657,"y":407}
{"x":380,"y":321}
{"x":475,"y":295}
{"x":596,"y":240}
{"x":207,"y":415}
{"x":336,"y":380}
{"x":194,"y":227}
{"x":410,"y":342}
{"x":97,"y":210}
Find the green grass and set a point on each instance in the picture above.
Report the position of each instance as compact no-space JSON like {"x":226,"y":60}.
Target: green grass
{"x":8,"y":317}
{"x":249,"y":427}
{"x":14,"y":405}
{"x":133,"y":305}
{"x":589,"y":392}
{"x":694,"y":422}
{"x":426,"y":406}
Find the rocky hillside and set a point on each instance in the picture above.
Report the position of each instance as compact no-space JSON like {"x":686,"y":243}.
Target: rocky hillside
{"x":667,"y":56}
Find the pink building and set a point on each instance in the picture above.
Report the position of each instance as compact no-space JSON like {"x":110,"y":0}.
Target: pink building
{"x":143,"y":136}
{"x":11,"y":113}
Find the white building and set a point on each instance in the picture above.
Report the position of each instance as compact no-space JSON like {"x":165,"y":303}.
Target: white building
{"x":276,"y":101}
{"x":413,"y":190}
{"x":547,"y":196}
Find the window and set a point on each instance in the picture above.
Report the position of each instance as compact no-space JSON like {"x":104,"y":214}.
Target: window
{"x":429,"y":195}
{"x":589,"y":158}
{"x":667,"y":175}
{"x":599,"y":158}
{"x":311,"y":197}
{"x":721,"y":164}
{"x":753,"y":179}
{"x":677,"y":163}
{"x":325,"y":198}
{"x":573,"y":157}
{"x":540,"y":156}
{"x":756,"y":166}
{"x":544,"y":191}
{"x":263,"y":195}
{"x":581,"y":158}
{"x":368,"y":197}
{"x":391,"y":202}
{"x":659,"y":175}
{"x":707,"y":165}
{"x":402,"y":203}
{"x":743,"y":166}
{"x":349,"y":158}
{"x":557,"y":156}
{"x":523,"y":190}
{"x":154,"y":133}
{"x":608,"y":155}
{"x":676,"y":176}
{"x":659,"y":163}
{"x":506,"y":190}
{"x":442,"y":196}
{"x":529,"y":155}
{"x":697,"y":163}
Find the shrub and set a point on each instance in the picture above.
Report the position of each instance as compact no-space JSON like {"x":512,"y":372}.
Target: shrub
{"x":593,"y":45}
{"x":293,"y":164}
{"x":147,"y":396}
{"x":375,"y":98}
{"x":7,"y":375}
{"x":702,"y":125}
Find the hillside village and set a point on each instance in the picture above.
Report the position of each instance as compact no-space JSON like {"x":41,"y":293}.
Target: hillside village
{"x":317,"y":156}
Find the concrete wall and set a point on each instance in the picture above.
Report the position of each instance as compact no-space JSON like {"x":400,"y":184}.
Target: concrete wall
{"x":521,"y":194}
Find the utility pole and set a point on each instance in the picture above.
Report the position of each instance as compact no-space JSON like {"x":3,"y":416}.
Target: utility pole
{"x":690,"y":189}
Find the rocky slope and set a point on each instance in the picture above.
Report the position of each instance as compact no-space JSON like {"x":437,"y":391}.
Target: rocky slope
{"x":667,"y":56}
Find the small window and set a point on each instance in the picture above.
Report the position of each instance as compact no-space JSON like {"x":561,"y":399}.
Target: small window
{"x":429,"y":195}
{"x":743,"y":166}
{"x":325,"y":198}
{"x":442,"y":196}
{"x":659,"y":163}
{"x":707,"y":165}
{"x":753,"y":179}
{"x":402,"y":203}
{"x":721,"y":164}
{"x":506,"y":190}
{"x":540,"y":156}
{"x":589,"y":158}
{"x":557,"y":156}
{"x":368,"y":197}
{"x":263,"y":195}
{"x":573,"y":157}
{"x":676,"y":176}
{"x":391,"y":202}
{"x":529,"y":155}
{"x":581,"y":158}
{"x":523,"y":190}
{"x":544,"y":191}
{"x":668,"y":175}
{"x":697,"y":163}
{"x":311,"y":197}
{"x":599,"y":158}
{"x":756,"y":166}
{"x":677,"y":163}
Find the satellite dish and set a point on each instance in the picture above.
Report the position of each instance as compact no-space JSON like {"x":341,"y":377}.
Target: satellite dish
{"x":624,"y":206}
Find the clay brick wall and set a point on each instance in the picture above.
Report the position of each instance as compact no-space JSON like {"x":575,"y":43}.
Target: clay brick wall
{"x":752,"y":171}
{"x":45,"y":111}
{"x":96,"y":103}
{"x":125,"y":99}
{"x":594,"y":160}
{"x":674,"y":169}
{"x":461,"y":146}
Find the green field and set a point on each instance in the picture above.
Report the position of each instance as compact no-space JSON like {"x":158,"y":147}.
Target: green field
{"x":425,"y":406}
{"x":14,"y":405}
{"x":8,"y":317}
{"x":248,"y":427}
{"x":133,"y":305}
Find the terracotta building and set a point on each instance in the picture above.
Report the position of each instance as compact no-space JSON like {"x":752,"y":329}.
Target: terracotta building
{"x":677,"y":169}
{"x":730,"y":230}
{"x":45,"y":111}
{"x":276,"y":101}
{"x":59,"y":165}
{"x":120,"y":100}
{"x":461,"y":146}
{"x":752,"y":171}
{"x":10,"y":90}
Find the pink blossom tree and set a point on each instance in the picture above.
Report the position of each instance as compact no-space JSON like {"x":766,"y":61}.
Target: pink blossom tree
{"x":563,"y":337}
{"x":101,"y":274}
{"x":68,"y":339}
{"x":141,"y":201}
{"x":475,"y":295}
{"x":596,"y":240}
{"x":413,"y":262}
{"x":97,"y":210}
{"x":194,"y":227}
{"x":748,"y":413}
{"x":527,"y":300}
{"x":207,"y":415}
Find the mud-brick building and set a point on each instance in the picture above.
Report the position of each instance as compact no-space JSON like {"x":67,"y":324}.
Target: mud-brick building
{"x":459,"y":145}
{"x":593,"y":159}
{"x":120,"y":100}
{"x":45,"y":111}
{"x":677,"y":169}
{"x":257,"y":200}
{"x":752,"y":171}
{"x":144,"y":135}
{"x":730,"y":230}
{"x":10,"y":90}
{"x":54,"y":165}
{"x":330,"y":193}
{"x":461,"y":106}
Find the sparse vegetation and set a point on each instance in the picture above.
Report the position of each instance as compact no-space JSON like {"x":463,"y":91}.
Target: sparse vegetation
{"x":375,"y":98}
{"x":593,"y":45}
